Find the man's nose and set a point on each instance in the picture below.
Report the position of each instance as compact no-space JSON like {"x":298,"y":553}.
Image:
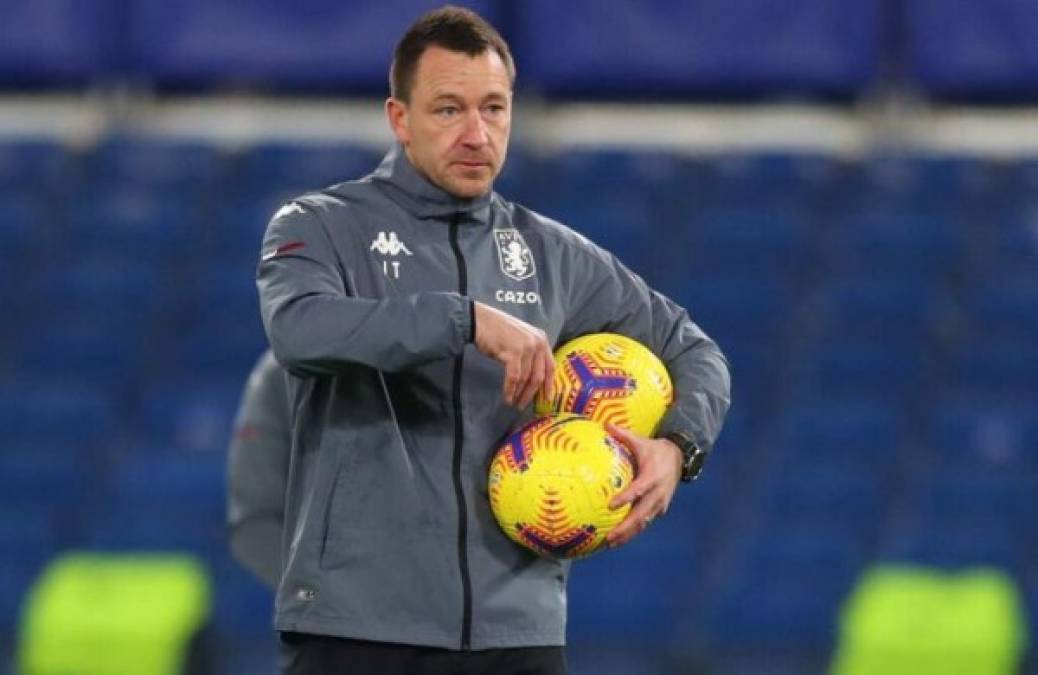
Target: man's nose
{"x":475,"y":132}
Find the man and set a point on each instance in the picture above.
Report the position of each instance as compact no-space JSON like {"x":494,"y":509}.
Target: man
{"x":257,"y":470}
{"x":392,"y":301}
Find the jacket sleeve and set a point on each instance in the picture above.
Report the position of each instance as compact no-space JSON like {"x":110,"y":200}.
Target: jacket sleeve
{"x":607,"y":297}
{"x":258,"y":460}
{"x":316,"y":325}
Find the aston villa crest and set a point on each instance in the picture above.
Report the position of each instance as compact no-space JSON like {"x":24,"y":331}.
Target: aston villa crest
{"x":514,"y":255}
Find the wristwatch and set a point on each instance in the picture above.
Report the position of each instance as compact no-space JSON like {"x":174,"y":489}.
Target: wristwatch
{"x":693,"y":456}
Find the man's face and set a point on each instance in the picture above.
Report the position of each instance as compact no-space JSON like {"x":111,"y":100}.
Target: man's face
{"x":455,"y":127}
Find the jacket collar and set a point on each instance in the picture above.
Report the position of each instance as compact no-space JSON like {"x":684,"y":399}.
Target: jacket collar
{"x":420,"y":196}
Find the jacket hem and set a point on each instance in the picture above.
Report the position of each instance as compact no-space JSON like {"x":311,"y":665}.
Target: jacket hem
{"x":392,"y":634}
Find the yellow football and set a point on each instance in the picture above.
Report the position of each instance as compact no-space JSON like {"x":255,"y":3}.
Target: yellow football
{"x":611,"y":379}
{"x":551,"y":482}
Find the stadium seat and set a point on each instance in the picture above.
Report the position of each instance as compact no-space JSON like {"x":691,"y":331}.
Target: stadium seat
{"x":681,"y":49}
{"x":825,"y":495}
{"x":862,"y":367}
{"x":936,"y":184}
{"x":30,"y":165}
{"x":59,"y":43}
{"x":125,"y":289}
{"x":183,"y":166}
{"x":281,"y":167}
{"x":996,"y":369}
{"x":1003,"y":306}
{"x":950,"y":544}
{"x":761,"y":241}
{"x":977,"y":50}
{"x":855,"y":432}
{"x":332,"y":46}
{"x":88,"y":346}
{"x":900,"y":312}
{"x":135,"y":223}
{"x":56,"y":410}
{"x":162,"y":502}
{"x":190,"y":413}
{"x":896,"y":244}
{"x":780,"y":181}
{"x":966,"y":434}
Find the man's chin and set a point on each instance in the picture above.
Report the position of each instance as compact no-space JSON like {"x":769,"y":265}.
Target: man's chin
{"x":468,"y":188}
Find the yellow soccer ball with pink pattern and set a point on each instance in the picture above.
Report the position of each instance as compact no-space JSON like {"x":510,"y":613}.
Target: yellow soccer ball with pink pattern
{"x":611,"y":379}
{"x":551,"y":482}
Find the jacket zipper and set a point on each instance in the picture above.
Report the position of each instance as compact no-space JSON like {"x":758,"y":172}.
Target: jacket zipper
{"x":459,"y":434}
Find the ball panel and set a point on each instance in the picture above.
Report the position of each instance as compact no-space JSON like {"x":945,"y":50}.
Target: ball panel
{"x":556,"y":502}
{"x":599,"y":374}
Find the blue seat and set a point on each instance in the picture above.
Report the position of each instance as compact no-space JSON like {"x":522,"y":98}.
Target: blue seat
{"x":825,"y":495}
{"x":926,"y":183}
{"x":896,"y":244}
{"x":976,"y":50}
{"x":52,"y":475}
{"x":126,"y":287}
{"x":190,"y":413}
{"x":991,"y":438}
{"x":619,"y":222}
{"x":738,"y":306}
{"x":894,"y":310}
{"x":996,"y":369}
{"x":683,"y":49}
{"x":795,"y":603}
{"x":331,"y":47}
{"x":962,"y":494}
{"x":29,"y":166}
{"x":588,"y":174}
{"x":1015,"y":246}
{"x":89,"y":346}
{"x":56,"y":410}
{"x":949,"y":543}
{"x":763,"y":241}
{"x":65,"y":43}
{"x":770,"y":180}
{"x":1003,"y":307}
{"x":854,"y":432}
{"x":863,"y":367}
{"x":183,"y":166}
{"x":301,"y":167}
{"x":612,"y":598}
{"x":163,"y":502}
{"x":134,"y":223}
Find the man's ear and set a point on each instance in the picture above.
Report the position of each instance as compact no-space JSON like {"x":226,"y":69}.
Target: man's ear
{"x":396,"y":113}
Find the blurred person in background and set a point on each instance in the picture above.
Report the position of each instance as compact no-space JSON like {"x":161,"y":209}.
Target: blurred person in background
{"x":258,"y":471}
{"x":397,"y":303}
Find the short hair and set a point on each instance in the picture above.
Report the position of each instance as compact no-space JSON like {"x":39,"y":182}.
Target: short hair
{"x":454,"y":28}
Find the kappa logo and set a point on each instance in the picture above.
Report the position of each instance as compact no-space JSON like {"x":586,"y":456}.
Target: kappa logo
{"x":389,"y":245}
{"x":514,"y":255}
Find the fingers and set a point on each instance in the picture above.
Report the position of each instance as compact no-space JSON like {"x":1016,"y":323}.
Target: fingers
{"x":535,"y":381}
{"x":549,"y":375}
{"x":637,"y":521}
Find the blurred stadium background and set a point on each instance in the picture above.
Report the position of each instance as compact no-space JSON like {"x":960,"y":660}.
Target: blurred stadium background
{"x":843,"y":193}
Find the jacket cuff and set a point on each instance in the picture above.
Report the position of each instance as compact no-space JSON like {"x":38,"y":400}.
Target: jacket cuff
{"x":472,"y":321}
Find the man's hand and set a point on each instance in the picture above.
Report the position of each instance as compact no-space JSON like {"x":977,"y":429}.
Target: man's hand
{"x":521,"y":348}
{"x":657,"y":476}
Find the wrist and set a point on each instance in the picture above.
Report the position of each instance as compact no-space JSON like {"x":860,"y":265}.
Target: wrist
{"x":692,"y":456}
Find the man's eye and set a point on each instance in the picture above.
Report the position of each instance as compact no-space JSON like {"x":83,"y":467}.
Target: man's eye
{"x":447,"y":111}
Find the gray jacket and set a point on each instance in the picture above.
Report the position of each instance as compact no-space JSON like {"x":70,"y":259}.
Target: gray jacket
{"x":366,"y":291}
{"x":257,"y":471}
